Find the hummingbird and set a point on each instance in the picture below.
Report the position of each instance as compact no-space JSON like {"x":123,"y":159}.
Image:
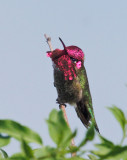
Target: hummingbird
{"x":71,"y":82}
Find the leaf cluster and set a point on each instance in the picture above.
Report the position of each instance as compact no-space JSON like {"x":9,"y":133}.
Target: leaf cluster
{"x":61,"y":135}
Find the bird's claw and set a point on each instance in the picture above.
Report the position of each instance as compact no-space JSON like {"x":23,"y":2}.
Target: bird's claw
{"x":60,"y":104}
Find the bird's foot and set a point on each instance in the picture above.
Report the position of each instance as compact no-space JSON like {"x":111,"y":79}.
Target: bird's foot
{"x":60,"y":104}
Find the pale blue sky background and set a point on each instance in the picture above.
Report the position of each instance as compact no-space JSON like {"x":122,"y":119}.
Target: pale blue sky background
{"x":27,"y":94}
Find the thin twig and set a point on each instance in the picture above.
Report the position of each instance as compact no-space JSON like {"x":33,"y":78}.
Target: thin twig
{"x":62,"y":107}
{"x":48,"y":40}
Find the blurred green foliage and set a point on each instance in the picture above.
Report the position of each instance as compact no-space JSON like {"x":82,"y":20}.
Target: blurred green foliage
{"x":61,"y":135}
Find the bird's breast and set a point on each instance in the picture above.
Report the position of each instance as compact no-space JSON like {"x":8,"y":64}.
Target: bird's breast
{"x":69,"y":91}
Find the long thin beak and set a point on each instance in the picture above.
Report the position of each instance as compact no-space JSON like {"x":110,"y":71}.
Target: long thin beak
{"x":62,"y":43}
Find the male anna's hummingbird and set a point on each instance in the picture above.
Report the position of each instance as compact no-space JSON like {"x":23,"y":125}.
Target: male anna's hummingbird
{"x":71,"y":82}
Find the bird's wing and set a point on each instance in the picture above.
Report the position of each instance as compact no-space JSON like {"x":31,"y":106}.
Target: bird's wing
{"x":84,"y":107}
{"x":85,"y":115}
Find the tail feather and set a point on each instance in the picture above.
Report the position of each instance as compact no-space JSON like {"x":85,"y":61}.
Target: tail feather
{"x":85,"y":116}
{"x":83,"y":113}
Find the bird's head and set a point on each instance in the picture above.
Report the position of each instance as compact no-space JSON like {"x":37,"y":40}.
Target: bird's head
{"x":68,"y":60}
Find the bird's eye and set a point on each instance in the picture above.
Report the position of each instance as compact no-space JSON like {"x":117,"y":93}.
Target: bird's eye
{"x":73,"y":60}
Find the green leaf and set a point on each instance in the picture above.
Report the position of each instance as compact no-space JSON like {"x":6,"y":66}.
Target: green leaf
{"x":18,"y":156}
{"x":104,"y":147}
{"x":73,"y":149}
{"x":59,"y":130}
{"x":4,"y":140}
{"x":27,"y":149}
{"x":19,"y":131}
{"x":116,"y":153}
{"x":46,"y":153}
{"x":4,"y":154}
{"x":70,"y":137}
{"x":92,"y":157}
{"x":106,"y":142}
{"x":102,"y":150}
{"x":119,"y":115}
{"x":107,"y":150}
{"x":90,"y":133}
{"x":89,"y":136}
{"x":75,"y":158}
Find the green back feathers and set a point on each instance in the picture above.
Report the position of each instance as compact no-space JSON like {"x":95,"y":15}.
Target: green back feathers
{"x":82,"y":78}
